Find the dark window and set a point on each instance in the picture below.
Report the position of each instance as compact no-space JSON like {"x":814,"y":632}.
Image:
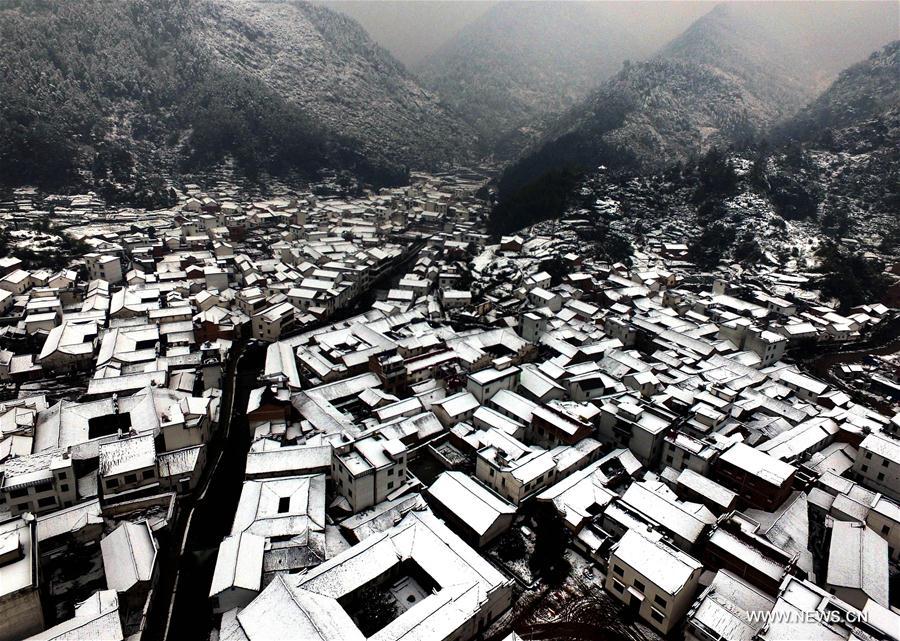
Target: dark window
{"x":661,"y":602}
{"x":14,"y":494}
{"x":391,"y":485}
{"x":640,"y":586}
{"x":112,"y":483}
{"x":62,"y":476}
{"x":391,"y":472}
{"x":148,"y":474}
{"x":880,"y":476}
{"x":131,"y":478}
{"x":284,"y":504}
{"x":618,"y":570}
{"x":656,"y":615}
{"x":868,"y":454}
{"x":886,"y":529}
{"x":47,"y":501}
{"x":618,"y":587}
{"x":884,"y":463}
{"x":64,"y":487}
{"x":865,"y":468}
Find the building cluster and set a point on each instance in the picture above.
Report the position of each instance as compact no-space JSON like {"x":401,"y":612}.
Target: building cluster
{"x":720,"y":491}
{"x":424,"y":393}
{"x":113,"y":371}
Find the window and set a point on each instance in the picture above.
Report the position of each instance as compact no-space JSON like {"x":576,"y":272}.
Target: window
{"x":62,"y":476}
{"x":14,"y":494}
{"x":640,"y":586}
{"x":884,"y":463}
{"x":391,"y":472}
{"x":112,"y":482}
{"x":618,"y":586}
{"x":148,"y":474}
{"x":670,"y":459}
{"x":868,"y":454}
{"x":886,"y":529}
{"x":492,"y":471}
{"x":131,"y":478}
{"x":618,"y":570}
{"x":656,"y":615}
{"x":47,"y":501}
{"x":865,"y":468}
{"x":64,"y":487}
{"x":880,"y":476}
{"x":284,"y":504}
{"x":661,"y":602}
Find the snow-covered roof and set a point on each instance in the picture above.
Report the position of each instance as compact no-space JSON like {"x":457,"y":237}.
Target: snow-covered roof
{"x":662,"y":564}
{"x":129,"y":555}
{"x":468,"y":499}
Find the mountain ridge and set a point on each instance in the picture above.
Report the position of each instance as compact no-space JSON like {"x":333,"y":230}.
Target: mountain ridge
{"x":144,"y":89}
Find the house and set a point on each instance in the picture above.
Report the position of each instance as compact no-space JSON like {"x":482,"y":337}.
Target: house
{"x":443,"y":588}
{"x":130,"y":561}
{"x":857,"y":565}
{"x":95,"y":618}
{"x":237,"y":578}
{"x":272,"y":323}
{"x":476,"y":513}
{"x":126,"y":465}
{"x":727,"y":609}
{"x":877,"y":463}
{"x":684,"y":522}
{"x":369,"y":470}
{"x":762,"y":481}
{"x":37,"y":483}
{"x":487,"y":382}
{"x":627,"y":421}
{"x":736,"y":545}
{"x":806,"y":388}
{"x":69,"y":346}
{"x":805,"y":611}
{"x":551,"y":427}
{"x":289,"y":513}
{"x":103,"y":267}
{"x":455,"y":408}
{"x":653,"y":577}
{"x":20,"y":599}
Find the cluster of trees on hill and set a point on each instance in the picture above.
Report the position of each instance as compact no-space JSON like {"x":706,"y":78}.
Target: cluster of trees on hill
{"x":116,"y":94}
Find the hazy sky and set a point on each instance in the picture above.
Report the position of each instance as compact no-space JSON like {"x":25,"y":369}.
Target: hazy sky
{"x":413,"y":29}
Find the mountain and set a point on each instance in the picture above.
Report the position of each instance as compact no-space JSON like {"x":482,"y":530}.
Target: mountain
{"x":861,"y":102}
{"x":824,"y":199}
{"x":521,"y":61}
{"x":728,"y":79}
{"x":326,"y":63}
{"x":845,"y":146}
{"x":121,"y":93}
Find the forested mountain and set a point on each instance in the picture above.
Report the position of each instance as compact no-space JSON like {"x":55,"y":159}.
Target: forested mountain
{"x":117,"y":94}
{"x":521,"y":61}
{"x":823,"y":199}
{"x":863,"y":95}
{"x":726,"y":80}
{"x":849,"y":138}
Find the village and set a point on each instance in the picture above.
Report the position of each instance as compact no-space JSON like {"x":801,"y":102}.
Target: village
{"x":353,"y":414}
